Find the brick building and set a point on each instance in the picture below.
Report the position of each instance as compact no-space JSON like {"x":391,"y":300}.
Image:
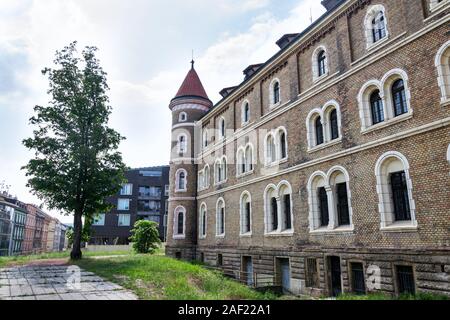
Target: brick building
{"x":327,"y":169}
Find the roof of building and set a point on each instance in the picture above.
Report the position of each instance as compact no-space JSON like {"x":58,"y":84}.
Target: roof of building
{"x":192,"y":86}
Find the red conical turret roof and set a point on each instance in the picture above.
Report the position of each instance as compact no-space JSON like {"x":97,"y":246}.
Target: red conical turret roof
{"x":192,"y":86}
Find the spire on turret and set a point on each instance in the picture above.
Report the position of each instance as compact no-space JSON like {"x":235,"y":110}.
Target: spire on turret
{"x":192,"y":85}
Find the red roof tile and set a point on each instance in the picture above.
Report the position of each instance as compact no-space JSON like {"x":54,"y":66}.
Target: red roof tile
{"x":192,"y":86}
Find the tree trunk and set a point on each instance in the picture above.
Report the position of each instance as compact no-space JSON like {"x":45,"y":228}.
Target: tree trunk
{"x":77,"y":231}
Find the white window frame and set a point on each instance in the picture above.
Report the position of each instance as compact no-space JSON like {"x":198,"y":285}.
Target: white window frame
{"x":182,"y":149}
{"x":442,"y":63}
{"x":385,"y":87}
{"x":242,"y":214}
{"x":244,"y":114}
{"x":387,"y":221}
{"x":176,"y":212}
{"x":324,"y":114}
{"x":220,"y":235}
{"x":368,"y":27}
{"x":203,"y":211}
{"x":182,"y":117}
{"x":275,"y":190}
{"x":272,"y":103}
{"x":315,"y":65}
{"x":122,"y":200}
{"x":220,"y":176}
{"x":318,"y":180}
{"x":177,"y":180}
{"x":276,"y":135}
{"x":128,"y":187}
{"x":120,"y":220}
{"x":222,"y":128}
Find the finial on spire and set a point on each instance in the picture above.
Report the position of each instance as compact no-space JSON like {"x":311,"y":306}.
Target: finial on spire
{"x":192,"y":61}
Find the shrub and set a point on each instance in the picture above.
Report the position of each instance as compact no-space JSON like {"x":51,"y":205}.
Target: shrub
{"x":145,"y":236}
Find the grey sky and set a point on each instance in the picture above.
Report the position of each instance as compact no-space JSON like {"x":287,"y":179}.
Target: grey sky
{"x":145,"y":46}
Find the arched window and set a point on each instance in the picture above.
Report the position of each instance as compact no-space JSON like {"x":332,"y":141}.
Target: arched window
{"x":278,"y":209}
{"x":246,"y":215}
{"x":275,"y":96}
{"x":182,"y":117}
{"x":283,"y":144}
{"x":182,"y":144}
{"x":321,"y":63}
{"x":376,"y":105}
{"x":273,"y":214}
{"x":224,"y":169}
{"x":179,"y":223}
{"x":206,"y":176}
{"x":203,"y":221}
{"x":375,"y":24}
{"x":205,"y":138}
{"x":330,"y":201}
{"x":222,"y":128}
{"x":245,"y":113}
{"x":220,"y":218}
{"x":394,"y":187}
{"x":334,"y":126}
{"x":319,"y":131}
{"x":249,"y":158}
{"x":378,"y":27}
{"x":399,"y":98}
{"x":271,"y":149}
{"x":286,"y":207}
{"x":181,"y":183}
{"x":241,"y":161}
{"x":442,"y":63}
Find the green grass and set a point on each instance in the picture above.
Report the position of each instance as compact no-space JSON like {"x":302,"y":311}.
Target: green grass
{"x":381,"y":296}
{"x":156,"y":277}
{"x":20,"y":260}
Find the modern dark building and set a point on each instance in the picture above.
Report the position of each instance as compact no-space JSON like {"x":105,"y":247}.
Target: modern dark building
{"x":143,"y":197}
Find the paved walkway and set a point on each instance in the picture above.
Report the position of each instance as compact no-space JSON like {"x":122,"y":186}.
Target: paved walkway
{"x":57,"y":282}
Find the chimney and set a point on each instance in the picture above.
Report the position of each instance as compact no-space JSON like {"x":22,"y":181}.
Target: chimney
{"x":331,"y":4}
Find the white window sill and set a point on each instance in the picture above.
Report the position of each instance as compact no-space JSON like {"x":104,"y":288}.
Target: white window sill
{"x":242,"y":175}
{"x":220,"y":236}
{"x":202,"y":237}
{"x":438,"y":7}
{"x":218,"y":184}
{"x":325,"y":145}
{"x":388,"y":123}
{"x":338,"y":230}
{"x":274,"y":106}
{"x":445,"y":102}
{"x":276,"y":163}
{"x":181,"y":191}
{"x":316,"y":80}
{"x":246,"y":235}
{"x":372,"y":46}
{"x":179,"y":237}
{"x":287,"y":233}
{"x":408,"y":226}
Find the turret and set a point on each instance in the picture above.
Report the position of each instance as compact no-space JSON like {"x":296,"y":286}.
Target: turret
{"x":190,"y":104}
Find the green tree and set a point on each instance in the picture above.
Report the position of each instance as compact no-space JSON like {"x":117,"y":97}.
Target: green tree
{"x":76,"y":165}
{"x":145,"y":236}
